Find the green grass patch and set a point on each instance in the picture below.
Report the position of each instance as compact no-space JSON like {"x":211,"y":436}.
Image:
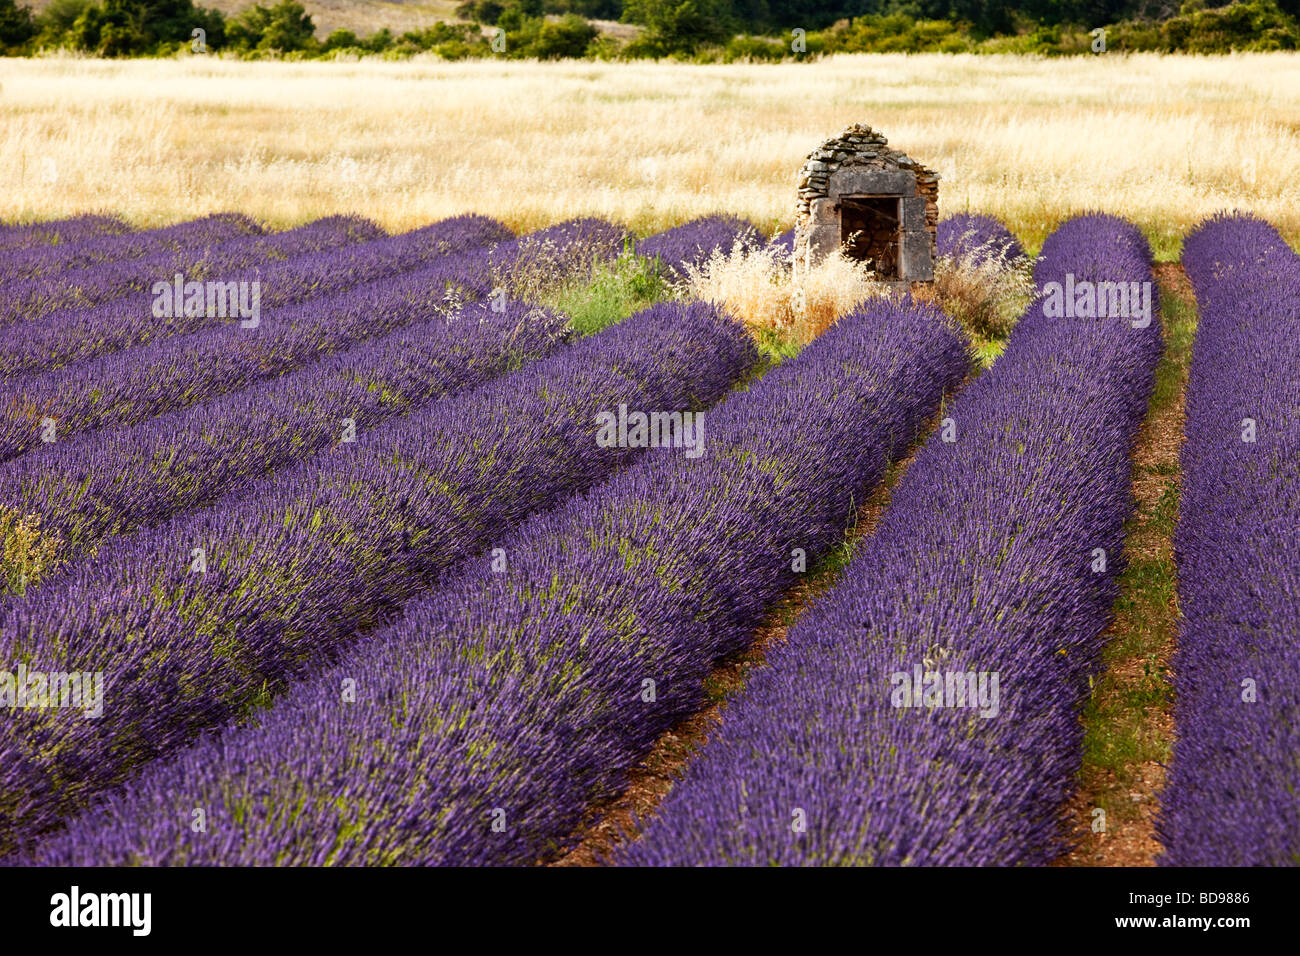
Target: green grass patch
{"x":614,"y":291}
{"x":1119,"y":734}
{"x":775,"y":346}
{"x":986,"y":350}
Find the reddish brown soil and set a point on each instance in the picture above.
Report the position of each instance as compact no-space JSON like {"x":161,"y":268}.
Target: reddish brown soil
{"x":1144,"y":643}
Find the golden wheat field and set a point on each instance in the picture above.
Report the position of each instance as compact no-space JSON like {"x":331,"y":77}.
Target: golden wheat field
{"x":1164,"y":141}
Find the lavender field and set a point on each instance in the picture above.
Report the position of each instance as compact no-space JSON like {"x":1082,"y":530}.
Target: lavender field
{"x":461,"y":547}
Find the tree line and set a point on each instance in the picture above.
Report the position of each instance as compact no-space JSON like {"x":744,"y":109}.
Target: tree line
{"x":702,"y":30}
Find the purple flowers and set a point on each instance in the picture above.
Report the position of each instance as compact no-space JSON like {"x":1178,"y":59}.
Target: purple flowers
{"x":977,"y":237}
{"x":130,"y":317}
{"x":226,"y":605}
{"x":177,"y":372}
{"x":73,"y":265}
{"x":994,"y":570}
{"x":387,"y":578}
{"x":113,"y":480}
{"x":490,"y":716}
{"x":1231,"y":797}
{"x":692,"y":243}
{"x":56,"y":232}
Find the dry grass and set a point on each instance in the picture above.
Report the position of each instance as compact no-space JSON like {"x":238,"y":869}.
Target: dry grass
{"x":985,"y":296}
{"x":758,"y":287}
{"x":1162,"y":140}
{"x":780,"y":305}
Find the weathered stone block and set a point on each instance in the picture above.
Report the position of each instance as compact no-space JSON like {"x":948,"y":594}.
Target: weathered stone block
{"x":823,"y":241}
{"x":914,"y":213}
{"x":917,"y":260}
{"x":862,"y":181}
{"x":822,"y":212}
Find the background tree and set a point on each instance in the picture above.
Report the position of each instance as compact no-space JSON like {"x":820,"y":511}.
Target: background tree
{"x":285,"y":27}
{"x":677,"y":26}
{"x":16,"y":25}
{"x":139,"y":27}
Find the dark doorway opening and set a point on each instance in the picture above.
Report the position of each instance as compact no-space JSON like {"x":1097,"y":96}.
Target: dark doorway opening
{"x":870,"y":231}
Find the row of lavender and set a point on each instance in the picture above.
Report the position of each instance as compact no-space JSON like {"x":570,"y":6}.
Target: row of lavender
{"x":178,"y":372}
{"x":54,"y":232}
{"x":116,"y":307}
{"x":484,"y":723}
{"x":926,"y":711}
{"x":37,"y":280}
{"x":1231,"y":798}
{"x":225,"y":605}
{"x":113,"y":480}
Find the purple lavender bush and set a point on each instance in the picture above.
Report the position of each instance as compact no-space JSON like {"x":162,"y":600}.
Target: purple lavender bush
{"x":492,"y":714}
{"x":59,"y":232}
{"x":227,"y":605}
{"x":129,"y":386}
{"x":37,"y":261}
{"x":115,"y":480}
{"x":340,"y":270}
{"x":1231,"y":797}
{"x":129,"y":317}
{"x":988,"y":562}
{"x":692,"y":243}
{"x":978,"y":237}
{"x":281,"y":282}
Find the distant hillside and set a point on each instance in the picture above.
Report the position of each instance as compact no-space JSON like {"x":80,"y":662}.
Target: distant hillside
{"x":360,"y":16}
{"x":364,"y":17}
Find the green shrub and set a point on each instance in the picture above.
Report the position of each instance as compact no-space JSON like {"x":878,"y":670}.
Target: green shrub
{"x":676,"y":27}
{"x":16,"y":26}
{"x":569,"y":37}
{"x":341,"y":40}
{"x":896,"y":33}
{"x":481,"y":11}
{"x":130,"y":27}
{"x":613,"y":292}
{"x":283,"y":28}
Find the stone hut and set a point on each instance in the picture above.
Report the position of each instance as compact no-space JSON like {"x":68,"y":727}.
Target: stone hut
{"x":879,"y":205}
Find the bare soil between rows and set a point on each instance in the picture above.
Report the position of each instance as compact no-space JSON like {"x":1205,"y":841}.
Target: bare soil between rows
{"x":1143,"y":639}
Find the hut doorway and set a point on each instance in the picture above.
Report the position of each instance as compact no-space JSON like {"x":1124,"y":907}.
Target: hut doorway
{"x":871,"y":230}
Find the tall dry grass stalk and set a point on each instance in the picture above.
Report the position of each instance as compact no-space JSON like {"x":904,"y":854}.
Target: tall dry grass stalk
{"x":986,"y":295}
{"x":1162,"y":140}
{"x":758,"y":287}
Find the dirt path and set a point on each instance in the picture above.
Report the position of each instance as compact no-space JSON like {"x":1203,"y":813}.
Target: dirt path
{"x":1128,"y":723}
{"x":654,"y":776}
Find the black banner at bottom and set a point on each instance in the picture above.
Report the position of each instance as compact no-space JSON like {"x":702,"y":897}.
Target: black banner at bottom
{"x":303,"y":905}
